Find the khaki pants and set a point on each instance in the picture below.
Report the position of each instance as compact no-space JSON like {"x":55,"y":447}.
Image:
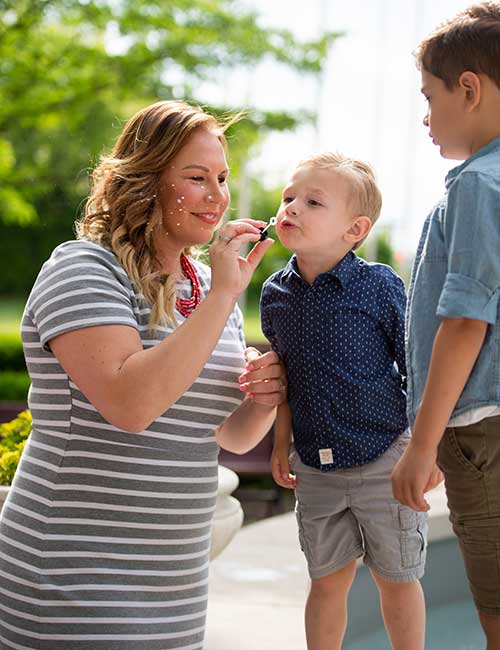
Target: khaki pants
{"x":469,"y":458}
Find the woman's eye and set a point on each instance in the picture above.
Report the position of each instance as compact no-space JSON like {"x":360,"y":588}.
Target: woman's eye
{"x":222,"y":180}
{"x":198,"y":179}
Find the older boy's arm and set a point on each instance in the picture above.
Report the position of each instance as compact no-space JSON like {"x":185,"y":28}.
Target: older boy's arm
{"x":456,"y":348}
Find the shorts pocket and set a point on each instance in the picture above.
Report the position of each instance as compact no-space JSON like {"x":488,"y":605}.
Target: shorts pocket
{"x":480,"y":546}
{"x":469,"y":448}
{"x":302,"y":535}
{"x":413,"y":528}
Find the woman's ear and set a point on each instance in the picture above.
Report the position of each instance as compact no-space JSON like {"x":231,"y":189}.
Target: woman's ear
{"x":359,"y":229}
{"x":471,"y":84}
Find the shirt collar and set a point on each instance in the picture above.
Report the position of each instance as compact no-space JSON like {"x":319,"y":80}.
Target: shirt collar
{"x":494,"y":145}
{"x":343,"y":271}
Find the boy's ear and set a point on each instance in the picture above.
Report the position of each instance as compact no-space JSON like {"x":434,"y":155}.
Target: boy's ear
{"x":471,"y":84}
{"x":359,"y":229}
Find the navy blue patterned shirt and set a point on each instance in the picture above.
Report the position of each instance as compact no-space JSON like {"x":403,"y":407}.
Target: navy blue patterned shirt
{"x":342,"y":341}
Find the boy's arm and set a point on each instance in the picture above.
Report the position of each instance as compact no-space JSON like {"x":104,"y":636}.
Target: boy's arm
{"x":282,"y":439}
{"x":456,"y":347}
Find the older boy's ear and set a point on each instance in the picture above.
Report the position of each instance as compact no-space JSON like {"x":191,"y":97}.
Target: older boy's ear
{"x":471,"y":84}
{"x":359,"y":229}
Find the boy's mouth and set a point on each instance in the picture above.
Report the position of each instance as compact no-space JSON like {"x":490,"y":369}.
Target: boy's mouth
{"x":285,"y":223}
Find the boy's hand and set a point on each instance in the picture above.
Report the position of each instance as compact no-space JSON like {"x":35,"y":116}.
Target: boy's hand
{"x":412,"y":476}
{"x":281,"y":468}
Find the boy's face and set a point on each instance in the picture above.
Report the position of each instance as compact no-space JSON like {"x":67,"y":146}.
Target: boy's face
{"x":314,"y":215}
{"x":446,"y":117}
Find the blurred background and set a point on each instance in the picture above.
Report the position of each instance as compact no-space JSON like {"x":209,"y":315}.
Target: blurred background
{"x":311,"y":76}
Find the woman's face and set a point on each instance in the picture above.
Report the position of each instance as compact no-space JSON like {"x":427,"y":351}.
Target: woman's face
{"x":194,"y":193}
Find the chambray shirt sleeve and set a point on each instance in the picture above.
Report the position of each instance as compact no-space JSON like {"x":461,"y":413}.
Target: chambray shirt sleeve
{"x":265,"y":315}
{"x":471,"y":232}
{"x":394,"y":302}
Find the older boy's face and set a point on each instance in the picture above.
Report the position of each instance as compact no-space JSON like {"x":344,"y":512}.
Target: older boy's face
{"x":446,"y":117}
{"x":314,"y":214}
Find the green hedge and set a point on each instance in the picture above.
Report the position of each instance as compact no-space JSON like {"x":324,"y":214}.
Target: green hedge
{"x":11,"y":353}
{"x":14,"y":386}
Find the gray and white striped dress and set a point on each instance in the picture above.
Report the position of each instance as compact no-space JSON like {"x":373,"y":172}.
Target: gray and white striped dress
{"x":105,"y":535}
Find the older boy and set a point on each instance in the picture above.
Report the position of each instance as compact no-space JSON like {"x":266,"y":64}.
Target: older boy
{"x":337,"y":323}
{"x":453,"y":353}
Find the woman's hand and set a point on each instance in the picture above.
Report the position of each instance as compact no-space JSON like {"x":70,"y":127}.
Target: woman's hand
{"x":264,"y":379}
{"x":231,"y":273}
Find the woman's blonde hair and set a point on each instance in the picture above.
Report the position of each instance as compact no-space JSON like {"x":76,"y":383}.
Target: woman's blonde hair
{"x":123,"y":209}
{"x":364,"y":194}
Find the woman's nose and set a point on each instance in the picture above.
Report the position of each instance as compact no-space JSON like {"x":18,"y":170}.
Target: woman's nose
{"x":214,"y":193}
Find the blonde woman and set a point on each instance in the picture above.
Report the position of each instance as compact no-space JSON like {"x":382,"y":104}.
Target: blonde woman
{"x":134,"y":349}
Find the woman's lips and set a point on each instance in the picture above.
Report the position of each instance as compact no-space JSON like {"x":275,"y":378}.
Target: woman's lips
{"x":208,"y":217}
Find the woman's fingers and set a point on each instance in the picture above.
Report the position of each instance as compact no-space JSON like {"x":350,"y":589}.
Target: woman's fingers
{"x":235,"y":229}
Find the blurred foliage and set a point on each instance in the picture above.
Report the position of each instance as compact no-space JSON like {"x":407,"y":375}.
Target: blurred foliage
{"x":380,"y":250}
{"x":14,"y":385}
{"x":13,"y":436}
{"x":11,"y":352}
{"x":72,"y":72}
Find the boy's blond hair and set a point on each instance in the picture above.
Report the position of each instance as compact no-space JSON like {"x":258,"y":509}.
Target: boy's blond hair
{"x":468,"y":42}
{"x":365,"y":197}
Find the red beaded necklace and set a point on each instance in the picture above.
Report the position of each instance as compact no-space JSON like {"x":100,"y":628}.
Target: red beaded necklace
{"x":186,"y":306}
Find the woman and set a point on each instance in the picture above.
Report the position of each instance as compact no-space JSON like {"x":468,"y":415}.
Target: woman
{"x":134,"y":352}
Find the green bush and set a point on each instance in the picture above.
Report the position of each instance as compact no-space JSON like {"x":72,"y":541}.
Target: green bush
{"x":11,"y":353}
{"x":14,"y":386}
{"x":13,"y":436}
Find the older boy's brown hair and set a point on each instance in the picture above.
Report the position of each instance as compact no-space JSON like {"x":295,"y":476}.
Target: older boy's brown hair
{"x":468,"y":42}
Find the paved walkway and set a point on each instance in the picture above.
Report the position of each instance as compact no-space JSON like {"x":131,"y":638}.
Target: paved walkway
{"x":259,"y":584}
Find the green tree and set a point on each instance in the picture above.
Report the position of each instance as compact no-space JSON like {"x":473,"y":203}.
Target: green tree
{"x":71,"y":72}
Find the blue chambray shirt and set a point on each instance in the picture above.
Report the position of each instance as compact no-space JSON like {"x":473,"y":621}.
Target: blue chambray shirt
{"x":456,"y":274}
{"x":342,"y":341}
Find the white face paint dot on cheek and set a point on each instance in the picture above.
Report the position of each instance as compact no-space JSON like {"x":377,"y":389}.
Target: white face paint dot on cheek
{"x":179,"y":200}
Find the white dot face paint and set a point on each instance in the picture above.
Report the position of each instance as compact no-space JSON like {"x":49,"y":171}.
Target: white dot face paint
{"x":179,"y":200}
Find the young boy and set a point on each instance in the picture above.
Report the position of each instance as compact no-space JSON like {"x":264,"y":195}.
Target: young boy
{"x":453,"y":327}
{"x":338,"y":324}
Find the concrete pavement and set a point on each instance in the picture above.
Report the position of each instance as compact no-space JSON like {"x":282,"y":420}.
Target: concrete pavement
{"x":258,"y":586}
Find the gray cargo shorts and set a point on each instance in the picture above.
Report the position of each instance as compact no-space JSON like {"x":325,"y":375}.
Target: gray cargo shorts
{"x":351,"y":513}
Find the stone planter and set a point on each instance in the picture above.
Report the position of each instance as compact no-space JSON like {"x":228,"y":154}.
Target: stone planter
{"x":228,"y":516}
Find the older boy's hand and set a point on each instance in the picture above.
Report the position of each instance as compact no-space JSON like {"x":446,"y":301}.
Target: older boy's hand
{"x":412,"y":476}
